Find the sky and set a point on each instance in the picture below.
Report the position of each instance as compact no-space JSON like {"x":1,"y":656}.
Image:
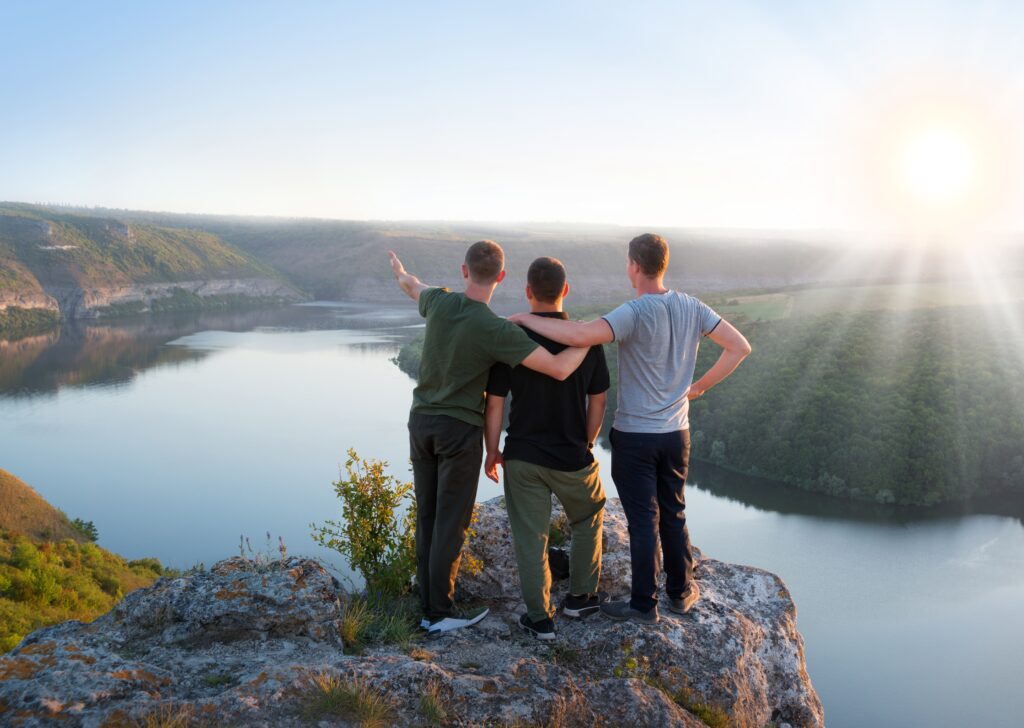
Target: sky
{"x":785,"y":115}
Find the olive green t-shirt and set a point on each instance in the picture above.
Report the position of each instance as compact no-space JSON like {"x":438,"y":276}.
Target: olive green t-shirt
{"x":464,"y":339}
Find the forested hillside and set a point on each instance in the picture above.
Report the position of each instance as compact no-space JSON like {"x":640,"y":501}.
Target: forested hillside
{"x":60,"y":262}
{"x":50,"y":571}
{"x":913,"y":407}
{"x":908,"y":407}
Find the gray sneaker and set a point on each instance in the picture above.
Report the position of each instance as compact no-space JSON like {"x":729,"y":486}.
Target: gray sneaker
{"x":622,"y":612}
{"x":457,"y":621}
{"x":689,"y":598}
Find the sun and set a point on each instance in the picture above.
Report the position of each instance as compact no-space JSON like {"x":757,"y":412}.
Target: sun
{"x":937,"y":167}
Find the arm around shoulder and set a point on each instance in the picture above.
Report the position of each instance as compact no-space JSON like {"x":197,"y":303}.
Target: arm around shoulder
{"x":570,"y":333}
{"x":557,"y":366}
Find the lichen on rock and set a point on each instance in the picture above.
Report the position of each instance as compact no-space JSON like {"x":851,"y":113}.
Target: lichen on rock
{"x":245,"y":645}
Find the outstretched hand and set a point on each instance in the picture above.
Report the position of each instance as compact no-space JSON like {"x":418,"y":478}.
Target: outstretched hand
{"x":396,"y":265}
{"x":491,"y":464}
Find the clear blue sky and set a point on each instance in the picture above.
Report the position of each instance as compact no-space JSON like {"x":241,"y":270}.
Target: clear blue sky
{"x":699,"y":114}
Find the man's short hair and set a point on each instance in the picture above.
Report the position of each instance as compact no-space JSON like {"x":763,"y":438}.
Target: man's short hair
{"x":546,"y":278}
{"x":650,"y":252}
{"x":485,"y":260}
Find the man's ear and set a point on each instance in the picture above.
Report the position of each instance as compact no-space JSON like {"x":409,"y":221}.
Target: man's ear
{"x":529,"y":293}
{"x":565,"y":290}
{"x":465,"y":271}
{"x":501,"y":276}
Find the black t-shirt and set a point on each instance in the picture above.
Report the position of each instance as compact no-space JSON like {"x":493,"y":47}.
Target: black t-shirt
{"x":548,"y":419}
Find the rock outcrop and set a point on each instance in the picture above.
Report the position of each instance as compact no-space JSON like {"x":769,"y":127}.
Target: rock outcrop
{"x":248,"y":644}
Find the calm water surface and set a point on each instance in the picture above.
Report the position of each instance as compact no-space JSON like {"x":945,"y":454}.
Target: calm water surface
{"x":178,"y":435}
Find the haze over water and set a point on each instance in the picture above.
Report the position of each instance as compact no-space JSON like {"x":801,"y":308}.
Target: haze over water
{"x":176,"y":436}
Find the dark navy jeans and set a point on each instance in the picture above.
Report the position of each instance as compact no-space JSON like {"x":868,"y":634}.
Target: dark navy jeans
{"x":649,"y":471}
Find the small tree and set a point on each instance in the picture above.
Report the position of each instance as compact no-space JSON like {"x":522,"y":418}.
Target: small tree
{"x":378,"y":542}
{"x":87,"y":529}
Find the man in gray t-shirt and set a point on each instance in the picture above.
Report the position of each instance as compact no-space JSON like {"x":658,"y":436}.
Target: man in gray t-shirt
{"x":658,"y":334}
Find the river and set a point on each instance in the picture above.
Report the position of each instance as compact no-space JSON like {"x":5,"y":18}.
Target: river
{"x":177,"y":435}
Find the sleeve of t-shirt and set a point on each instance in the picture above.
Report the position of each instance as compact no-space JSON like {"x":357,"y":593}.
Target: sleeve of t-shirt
{"x":708,"y":318}
{"x":428,"y":298}
{"x":499,"y":380}
{"x":622,"y":320}
{"x":600,"y":379}
{"x":510,"y":344}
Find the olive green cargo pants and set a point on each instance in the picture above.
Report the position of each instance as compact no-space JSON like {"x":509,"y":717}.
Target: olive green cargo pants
{"x":528,"y":490}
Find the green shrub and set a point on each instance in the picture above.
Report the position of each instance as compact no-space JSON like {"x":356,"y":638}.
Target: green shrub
{"x":48,"y":582}
{"x":373,"y":536}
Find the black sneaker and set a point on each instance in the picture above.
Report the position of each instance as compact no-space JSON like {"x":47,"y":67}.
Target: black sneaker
{"x":682,"y":604}
{"x":458,"y":620}
{"x":542,"y":629}
{"x":583,"y":606}
{"x":622,"y":612}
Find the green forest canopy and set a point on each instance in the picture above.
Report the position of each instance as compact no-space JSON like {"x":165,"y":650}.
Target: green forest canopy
{"x":915,"y":407}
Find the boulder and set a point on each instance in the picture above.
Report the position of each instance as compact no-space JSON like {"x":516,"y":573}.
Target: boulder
{"x":260,"y":645}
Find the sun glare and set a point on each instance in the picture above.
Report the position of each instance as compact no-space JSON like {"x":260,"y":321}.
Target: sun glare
{"x":938,"y":159}
{"x":937,"y":167}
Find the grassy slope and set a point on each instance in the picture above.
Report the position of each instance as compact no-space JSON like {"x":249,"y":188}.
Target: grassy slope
{"x":24,"y":511}
{"x":101,"y":251}
{"x":47,"y":573}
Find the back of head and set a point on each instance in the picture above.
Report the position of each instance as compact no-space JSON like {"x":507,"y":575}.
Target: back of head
{"x":650,"y":252}
{"x":546,"y":278}
{"x":485,"y":261}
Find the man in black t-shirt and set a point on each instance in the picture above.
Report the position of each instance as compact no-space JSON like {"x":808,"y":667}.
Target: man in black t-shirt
{"x":552,"y":428}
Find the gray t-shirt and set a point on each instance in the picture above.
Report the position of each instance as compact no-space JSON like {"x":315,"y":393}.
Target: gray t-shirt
{"x":658,"y":335}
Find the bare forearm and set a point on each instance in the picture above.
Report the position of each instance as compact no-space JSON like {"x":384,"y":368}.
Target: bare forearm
{"x":493,"y":417}
{"x":596,"y":407}
{"x":411,"y":285}
{"x":558,"y":366}
{"x":726,"y":365}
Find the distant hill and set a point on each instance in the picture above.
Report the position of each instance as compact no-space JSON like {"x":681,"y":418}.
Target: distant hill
{"x":24,"y":511}
{"x":75,"y":265}
{"x":345,"y":260}
{"x":49,"y":571}
{"x":64,"y":252}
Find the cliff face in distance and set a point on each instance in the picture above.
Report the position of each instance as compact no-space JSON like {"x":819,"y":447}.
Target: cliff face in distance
{"x":257,"y":644}
{"x":84,"y":266}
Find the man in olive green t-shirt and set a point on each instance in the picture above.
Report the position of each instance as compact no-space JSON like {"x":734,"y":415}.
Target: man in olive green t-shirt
{"x":463,"y":340}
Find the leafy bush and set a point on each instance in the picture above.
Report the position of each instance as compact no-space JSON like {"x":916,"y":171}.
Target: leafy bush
{"x":373,"y":536}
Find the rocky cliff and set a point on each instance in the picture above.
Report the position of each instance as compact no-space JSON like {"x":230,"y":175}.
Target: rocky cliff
{"x":84,"y":266}
{"x":249,"y":644}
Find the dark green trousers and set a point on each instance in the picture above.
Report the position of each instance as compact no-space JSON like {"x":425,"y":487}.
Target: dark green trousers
{"x":446,"y":454}
{"x":528,"y":490}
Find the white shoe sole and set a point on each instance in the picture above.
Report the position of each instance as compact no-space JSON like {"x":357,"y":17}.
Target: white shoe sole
{"x":450,"y":624}
{"x":580,"y":613}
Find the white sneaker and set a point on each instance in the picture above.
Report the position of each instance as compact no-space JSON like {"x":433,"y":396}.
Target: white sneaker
{"x":458,"y":621}
{"x":424,"y":623}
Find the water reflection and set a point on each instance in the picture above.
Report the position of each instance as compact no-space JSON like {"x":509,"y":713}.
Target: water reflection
{"x":113,"y":353}
{"x":768,"y":495}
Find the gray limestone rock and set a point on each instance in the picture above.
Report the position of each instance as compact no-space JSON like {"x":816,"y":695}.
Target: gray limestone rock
{"x":248,"y":645}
